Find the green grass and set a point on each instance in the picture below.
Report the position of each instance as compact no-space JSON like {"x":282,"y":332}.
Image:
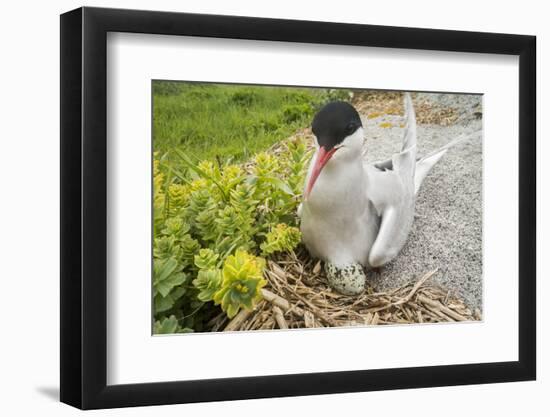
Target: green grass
{"x":232,"y":122}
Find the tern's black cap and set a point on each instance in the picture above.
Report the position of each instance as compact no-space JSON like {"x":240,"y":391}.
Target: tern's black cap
{"x":335,"y":122}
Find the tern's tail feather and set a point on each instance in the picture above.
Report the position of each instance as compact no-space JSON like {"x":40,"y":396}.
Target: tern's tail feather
{"x":409,"y":138}
{"x":425,"y":164}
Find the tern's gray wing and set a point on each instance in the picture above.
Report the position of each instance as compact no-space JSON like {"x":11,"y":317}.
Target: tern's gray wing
{"x":393,"y":199}
{"x":422,"y":168}
{"x":391,"y":190}
{"x":404,"y":161}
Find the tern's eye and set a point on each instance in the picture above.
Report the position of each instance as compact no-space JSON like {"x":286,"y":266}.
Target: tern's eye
{"x":350,"y":128}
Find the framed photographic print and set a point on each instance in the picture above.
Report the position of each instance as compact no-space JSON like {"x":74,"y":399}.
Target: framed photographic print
{"x":257,"y":207}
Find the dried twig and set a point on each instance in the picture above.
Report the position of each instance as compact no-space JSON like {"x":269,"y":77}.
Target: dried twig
{"x":416,"y":287}
{"x":280,"y":302}
{"x":444,"y":309}
{"x":238,"y":320}
{"x":279,"y":317}
{"x":309,"y":319}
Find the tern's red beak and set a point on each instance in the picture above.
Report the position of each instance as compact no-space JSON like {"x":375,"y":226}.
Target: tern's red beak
{"x":323,"y":157}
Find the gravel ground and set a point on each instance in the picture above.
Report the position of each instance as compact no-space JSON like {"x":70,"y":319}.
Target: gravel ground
{"x":447,"y":231}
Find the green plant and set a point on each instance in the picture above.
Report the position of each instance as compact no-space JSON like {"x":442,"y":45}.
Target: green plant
{"x":281,"y":238}
{"x":245,"y":97}
{"x":209,"y":277}
{"x":242,"y":281}
{"x":294,"y":112}
{"x":166,"y":88}
{"x":237,"y":284}
{"x":169,"y":325}
{"x":213,"y":225}
{"x":230,"y":121}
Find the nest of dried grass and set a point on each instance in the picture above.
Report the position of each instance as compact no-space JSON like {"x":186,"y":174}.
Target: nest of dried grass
{"x":297,"y":296}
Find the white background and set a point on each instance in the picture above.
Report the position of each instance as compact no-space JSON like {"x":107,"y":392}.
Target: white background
{"x":134,"y":356}
{"x":29,"y":221}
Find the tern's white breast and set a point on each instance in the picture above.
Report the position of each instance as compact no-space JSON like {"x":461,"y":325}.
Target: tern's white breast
{"x":338,"y":222}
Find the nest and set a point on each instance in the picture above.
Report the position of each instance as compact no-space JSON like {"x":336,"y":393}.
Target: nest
{"x":298,"y":296}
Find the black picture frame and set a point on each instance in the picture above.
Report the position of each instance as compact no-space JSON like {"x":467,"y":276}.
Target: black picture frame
{"x":84,"y":207}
